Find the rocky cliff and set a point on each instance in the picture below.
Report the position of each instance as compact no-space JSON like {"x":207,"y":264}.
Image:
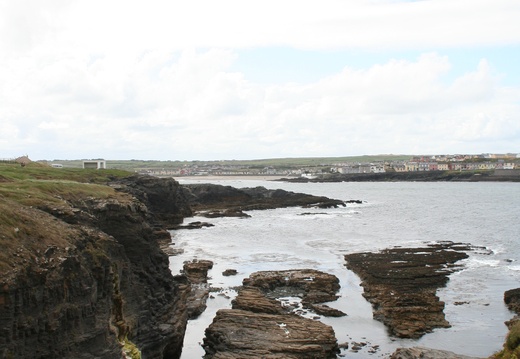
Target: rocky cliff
{"x":82,"y":275}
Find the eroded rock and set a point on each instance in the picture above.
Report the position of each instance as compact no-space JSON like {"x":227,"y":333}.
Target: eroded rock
{"x":426,"y":353}
{"x":311,"y":285}
{"x":233,"y":201}
{"x":259,"y":326}
{"x":401,"y":284}
{"x":243,"y":334}
{"x":197,"y":273}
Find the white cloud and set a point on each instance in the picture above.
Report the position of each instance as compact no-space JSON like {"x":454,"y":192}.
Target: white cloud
{"x":123,"y":27}
{"x":128,"y":79}
{"x":189,"y":105}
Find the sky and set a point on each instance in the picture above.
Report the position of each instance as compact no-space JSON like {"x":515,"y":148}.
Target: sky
{"x":249,"y":79}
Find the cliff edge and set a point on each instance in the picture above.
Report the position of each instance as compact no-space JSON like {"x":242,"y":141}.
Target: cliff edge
{"x":82,"y":274}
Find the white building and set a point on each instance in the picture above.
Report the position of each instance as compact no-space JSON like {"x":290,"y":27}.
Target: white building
{"x":95,"y":164}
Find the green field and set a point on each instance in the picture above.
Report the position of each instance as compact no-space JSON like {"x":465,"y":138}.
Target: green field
{"x":278,"y":163}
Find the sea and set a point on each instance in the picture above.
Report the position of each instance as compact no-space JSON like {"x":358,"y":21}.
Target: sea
{"x":407,"y":214}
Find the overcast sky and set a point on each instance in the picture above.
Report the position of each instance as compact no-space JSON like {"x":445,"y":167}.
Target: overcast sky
{"x":237,"y":79}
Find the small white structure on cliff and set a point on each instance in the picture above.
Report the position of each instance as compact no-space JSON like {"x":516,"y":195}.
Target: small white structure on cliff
{"x":95,"y":164}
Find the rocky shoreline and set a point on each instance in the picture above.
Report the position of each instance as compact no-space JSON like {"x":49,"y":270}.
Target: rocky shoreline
{"x":422,"y":176}
{"x":87,"y":278}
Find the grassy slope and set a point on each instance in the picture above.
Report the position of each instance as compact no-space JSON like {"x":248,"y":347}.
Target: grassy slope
{"x":24,"y":229}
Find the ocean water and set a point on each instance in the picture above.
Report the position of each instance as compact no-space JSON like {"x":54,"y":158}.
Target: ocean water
{"x":392,"y":214}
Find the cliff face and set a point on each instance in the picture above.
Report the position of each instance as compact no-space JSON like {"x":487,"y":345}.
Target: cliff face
{"x":82,"y":276}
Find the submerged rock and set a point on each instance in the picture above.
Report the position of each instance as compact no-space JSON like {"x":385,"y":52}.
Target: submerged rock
{"x":426,"y":353}
{"x":401,"y":284}
{"x":229,"y":272}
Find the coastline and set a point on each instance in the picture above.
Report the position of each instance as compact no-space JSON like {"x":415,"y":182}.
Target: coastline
{"x":229,"y":178}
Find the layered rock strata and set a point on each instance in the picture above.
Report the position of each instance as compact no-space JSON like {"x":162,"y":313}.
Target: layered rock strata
{"x":311,"y":285}
{"x":260,"y":327}
{"x":401,"y":284}
{"x":87,"y":278}
{"x":426,"y":353}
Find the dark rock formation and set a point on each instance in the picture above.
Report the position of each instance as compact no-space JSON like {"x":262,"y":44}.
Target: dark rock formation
{"x":401,"y":284}
{"x":252,"y":299}
{"x":243,"y":334}
{"x":229,"y":272}
{"x":233,"y":212}
{"x":311,"y":285}
{"x":512,"y":300}
{"x":197,"y":270}
{"x":259,"y":326}
{"x":192,"y":225}
{"x":197,"y":273}
{"x":88,"y":276}
{"x":325,"y":310}
{"x":426,"y":353}
{"x":206,"y":197}
{"x":164,"y":197}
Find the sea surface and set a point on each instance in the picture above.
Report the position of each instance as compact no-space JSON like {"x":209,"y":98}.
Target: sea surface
{"x":392,"y":214}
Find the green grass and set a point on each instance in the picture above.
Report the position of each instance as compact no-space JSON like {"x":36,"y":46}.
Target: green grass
{"x":35,"y":184}
{"x":279,"y":163}
{"x":26,"y":230}
{"x":42,"y":172}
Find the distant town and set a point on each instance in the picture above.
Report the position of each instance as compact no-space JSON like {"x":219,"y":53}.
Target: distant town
{"x":297,"y":167}
{"x":484,"y":162}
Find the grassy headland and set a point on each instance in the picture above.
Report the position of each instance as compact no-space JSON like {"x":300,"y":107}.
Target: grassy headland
{"x":25,"y":190}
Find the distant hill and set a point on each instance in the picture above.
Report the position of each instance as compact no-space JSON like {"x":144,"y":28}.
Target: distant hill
{"x":135,"y":165}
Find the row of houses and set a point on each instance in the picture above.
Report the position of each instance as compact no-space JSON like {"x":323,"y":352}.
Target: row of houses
{"x":417,"y":166}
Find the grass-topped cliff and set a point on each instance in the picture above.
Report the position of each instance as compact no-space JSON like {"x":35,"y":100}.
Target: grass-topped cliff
{"x":81,"y":272}
{"x":24,"y":191}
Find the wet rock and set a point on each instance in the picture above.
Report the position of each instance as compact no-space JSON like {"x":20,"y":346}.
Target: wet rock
{"x":229,"y":272}
{"x":197,"y":300}
{"x":426,"y":353}
{"x":243,"y":334}
{"x":197,"y":270}
{"x":326,"y":311}
{"x":253,"y":300}
{"x":311,"y":285}
{"x":401,"y":284}
{"x":203,"y":197}
{"x":259,"y":326}
{"x":197,"y":273}
{"x":233,"y":212}
{"x":192,"y":225}
{"x":512,"y":300}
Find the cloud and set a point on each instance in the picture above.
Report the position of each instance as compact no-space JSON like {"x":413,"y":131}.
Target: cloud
{"x":122,"y":27}
{"x":154,"y":80}
{"x":189,"y":105}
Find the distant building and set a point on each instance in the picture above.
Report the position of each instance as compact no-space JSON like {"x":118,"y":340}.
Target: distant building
{"x":56,"y":165}
{"x":23,"y":160}
{"x":95,"y":164}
